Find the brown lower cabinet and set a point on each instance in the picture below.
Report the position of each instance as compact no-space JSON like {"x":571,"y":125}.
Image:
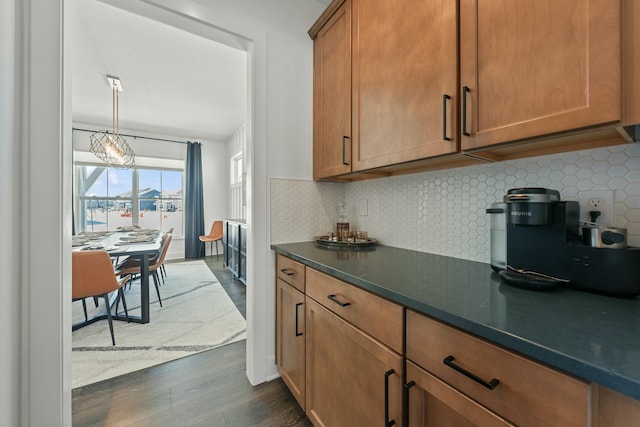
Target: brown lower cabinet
{"x":513,"y":387}
{"x":431,"y":402}
{"x":337,"y":352}
{"x":352,"y":379}
{"x":290,"y":341}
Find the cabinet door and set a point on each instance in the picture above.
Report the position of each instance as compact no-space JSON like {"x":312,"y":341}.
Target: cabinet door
{"x":332,"y":96}
{"x":242,"y":254}
{"x":405,"y":81}
{"x":535,"y":67}
{"x":433,"y":403}
{"x":347,"y":371}
{"x":290,"y":337}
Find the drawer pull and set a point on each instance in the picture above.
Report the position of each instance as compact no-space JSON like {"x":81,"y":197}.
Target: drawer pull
{"x":407,"y":388}
{"x":387,"y":423}
{"x":490,"y":385}
{"x":297,"y":306}
{"x":333,"y":298}
{"x":288,"y":271}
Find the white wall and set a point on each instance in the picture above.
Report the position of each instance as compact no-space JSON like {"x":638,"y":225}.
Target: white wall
{"x":36,"y":131}
{"x":10,"y":135}
{"x":35,"y":63}
{"x":279,"y":129}
{"x":215,"y":177}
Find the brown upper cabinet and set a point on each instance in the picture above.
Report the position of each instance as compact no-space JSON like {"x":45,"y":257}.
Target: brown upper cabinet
{"x":332,"y":95}
{"x":410,"y":85}
{"x":385,"y":83}
{"x":404,"y":81}
{"x":537,"y":67}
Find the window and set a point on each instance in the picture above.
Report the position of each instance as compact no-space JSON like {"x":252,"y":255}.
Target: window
{"x":160,"y":199}
{"x":237,"y":187}
{"x":236,"y":169}
{"x":105,"y":199}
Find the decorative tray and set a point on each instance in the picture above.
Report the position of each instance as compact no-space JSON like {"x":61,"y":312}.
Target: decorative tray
{"x":325,"y":240}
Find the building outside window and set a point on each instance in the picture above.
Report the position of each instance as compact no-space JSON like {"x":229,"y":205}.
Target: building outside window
{"x":104,"y":198}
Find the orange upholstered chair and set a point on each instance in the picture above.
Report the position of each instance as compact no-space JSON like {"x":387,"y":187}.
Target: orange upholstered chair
{"x":93,"y":276}
{"x":215,"y":235}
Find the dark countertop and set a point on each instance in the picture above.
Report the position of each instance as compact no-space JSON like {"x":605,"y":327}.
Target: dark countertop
{"x":593,"y":337}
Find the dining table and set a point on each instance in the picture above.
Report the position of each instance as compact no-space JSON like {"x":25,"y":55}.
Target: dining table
{"x":121,"y":244}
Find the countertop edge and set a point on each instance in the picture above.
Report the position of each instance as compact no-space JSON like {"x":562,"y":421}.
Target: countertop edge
{"x":548,"y":356}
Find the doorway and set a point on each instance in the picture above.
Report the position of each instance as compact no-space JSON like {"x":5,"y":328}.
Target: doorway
{"x":205,"y":31}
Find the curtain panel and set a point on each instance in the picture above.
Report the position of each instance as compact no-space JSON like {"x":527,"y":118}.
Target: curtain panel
{"x":193,"y":200}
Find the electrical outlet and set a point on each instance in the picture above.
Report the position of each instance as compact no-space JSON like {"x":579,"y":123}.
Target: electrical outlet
{"x":597,"y":200}
{"x":594,"y":203}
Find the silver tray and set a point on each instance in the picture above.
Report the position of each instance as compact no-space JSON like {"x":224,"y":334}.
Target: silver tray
{"x":324,"y":240}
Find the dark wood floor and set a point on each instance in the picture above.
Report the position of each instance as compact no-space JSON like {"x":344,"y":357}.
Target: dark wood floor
{"x":207,"y":389}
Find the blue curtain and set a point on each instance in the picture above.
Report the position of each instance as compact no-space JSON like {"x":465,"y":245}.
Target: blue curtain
{"x":193,"y":200}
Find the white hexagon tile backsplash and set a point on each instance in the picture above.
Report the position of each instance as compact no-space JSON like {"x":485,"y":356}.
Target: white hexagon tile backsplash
{"x":443,"y":212}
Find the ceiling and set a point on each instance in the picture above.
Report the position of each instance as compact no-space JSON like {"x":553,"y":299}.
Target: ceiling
{"x":175,"y":83}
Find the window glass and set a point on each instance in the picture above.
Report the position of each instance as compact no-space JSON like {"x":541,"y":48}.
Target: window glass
{"x":149,"y":180}
{"x":105,"y":200}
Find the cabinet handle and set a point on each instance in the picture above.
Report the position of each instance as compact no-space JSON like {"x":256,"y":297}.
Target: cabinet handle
{"x":387,"y":423}
{"x":333,"y":298}
{"x":344,"y":143}
{"x":288,"y":272}
{"x":465,"y":91}
{"x":298,"y":305}
{"x":445,"y":98}
{"x":491,"y":384}
{"x":407,"y":387}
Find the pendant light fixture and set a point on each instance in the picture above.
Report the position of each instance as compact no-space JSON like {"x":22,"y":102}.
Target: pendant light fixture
{"x":110,"y":147}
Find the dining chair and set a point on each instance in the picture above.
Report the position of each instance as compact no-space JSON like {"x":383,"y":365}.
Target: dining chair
{"x":163,"y":271}
{"x":215,"y":235}
{"x":135,"y":262}
{"x":132,"y":266}
{"x":93,"y":276}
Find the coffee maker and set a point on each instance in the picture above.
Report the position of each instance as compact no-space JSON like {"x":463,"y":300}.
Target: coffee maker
{"x":544,"y":248}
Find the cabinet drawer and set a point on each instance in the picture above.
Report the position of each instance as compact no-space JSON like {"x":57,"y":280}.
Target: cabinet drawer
{"x":431,"y":402}
{"x":528,"y":393}
{"x":291,"y":272}
{"x":378,"y":317}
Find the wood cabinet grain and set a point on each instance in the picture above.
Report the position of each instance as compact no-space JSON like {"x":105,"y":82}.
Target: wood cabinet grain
{"x":404,"y":81}
{"x":516,"y":388}
{"x":290,"y":271}
{"x":433,"y":403}
{"x":376,"y":316}
{"x":538,"y":67}
{"x":346,"y":373}
{"x":332,"y":95}
{"x":290,"y":339}
{"x":441,"y":84}
{"x":351,"y":357}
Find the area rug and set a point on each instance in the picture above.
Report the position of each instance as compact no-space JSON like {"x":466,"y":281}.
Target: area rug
{"x":197,"y":315}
